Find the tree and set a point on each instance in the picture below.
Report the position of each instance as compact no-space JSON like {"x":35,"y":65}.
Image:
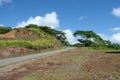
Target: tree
{"x":53,"y":32}
{"x":87,"y":38}
{"x":114,"y":46}
{"x":31,"y":26}
{"x":4,"y":29}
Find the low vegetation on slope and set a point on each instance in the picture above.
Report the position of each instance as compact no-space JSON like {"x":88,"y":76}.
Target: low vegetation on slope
{"x":4,"y":29}
{"x":37,"y":40}
{"x":30,"y":38}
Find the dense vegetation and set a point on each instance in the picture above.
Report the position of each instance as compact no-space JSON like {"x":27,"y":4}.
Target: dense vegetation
{"x":53,"y":32}
{"x":91,"y":39}
{"x":45,"y":37}
{"x":4,"y":29}
{"x":38,"y":40}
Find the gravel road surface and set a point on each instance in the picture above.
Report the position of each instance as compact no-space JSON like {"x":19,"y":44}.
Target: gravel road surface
{"x":23,"y":58}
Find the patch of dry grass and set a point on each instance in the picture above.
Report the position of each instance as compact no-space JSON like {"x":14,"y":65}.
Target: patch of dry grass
{"x":77,"y":64}
{"x":82,"y":65}
{"x":68,"y":70}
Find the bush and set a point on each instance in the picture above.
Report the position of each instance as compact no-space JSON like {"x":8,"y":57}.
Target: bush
{"x":15,"y":43}
{"x":78,"y":45}
{"x":4,"y":29}
{"x":38,"y":44}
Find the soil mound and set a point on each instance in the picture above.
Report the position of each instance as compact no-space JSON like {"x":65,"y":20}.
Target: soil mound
{"x":12,"y":34}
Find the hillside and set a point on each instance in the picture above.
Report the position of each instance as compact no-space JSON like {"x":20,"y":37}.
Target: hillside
{"x":24,"y":40}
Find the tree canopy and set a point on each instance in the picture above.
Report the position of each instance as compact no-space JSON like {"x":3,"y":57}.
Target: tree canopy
{"x":53,"y":32}
{"x":4,"y":29}
{"x":91,"y":39}
{"x":88,"y":37}
{"x":85,"y":38}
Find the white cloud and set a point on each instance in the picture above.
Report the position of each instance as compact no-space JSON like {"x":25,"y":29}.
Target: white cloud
{"x":116,"y":12}
{"x":82,"y":17}
{"x":115,"y":38}
{"x":5,"y":1}
{"x":50,"y":19}
{"x":70,"y":38}
{"x":103,"y":36}
{"x":115,"y":29}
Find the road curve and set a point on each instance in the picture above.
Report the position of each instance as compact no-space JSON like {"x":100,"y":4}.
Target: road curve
{"x":27,"y":57}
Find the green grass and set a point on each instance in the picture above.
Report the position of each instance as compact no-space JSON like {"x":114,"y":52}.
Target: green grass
{"x":38,"y":40}
{"x":13,"y":43}
{"x":42,"y":43}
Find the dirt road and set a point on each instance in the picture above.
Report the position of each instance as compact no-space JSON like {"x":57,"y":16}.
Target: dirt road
{"x":23,"y":58}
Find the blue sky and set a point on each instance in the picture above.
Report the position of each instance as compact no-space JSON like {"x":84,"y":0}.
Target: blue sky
{"x":101,"y":16}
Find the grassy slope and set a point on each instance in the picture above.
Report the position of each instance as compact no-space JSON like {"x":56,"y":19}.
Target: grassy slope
{"x":37,"y":40}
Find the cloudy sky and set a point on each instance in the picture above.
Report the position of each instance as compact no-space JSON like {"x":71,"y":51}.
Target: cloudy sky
{"x":101,"y":16}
